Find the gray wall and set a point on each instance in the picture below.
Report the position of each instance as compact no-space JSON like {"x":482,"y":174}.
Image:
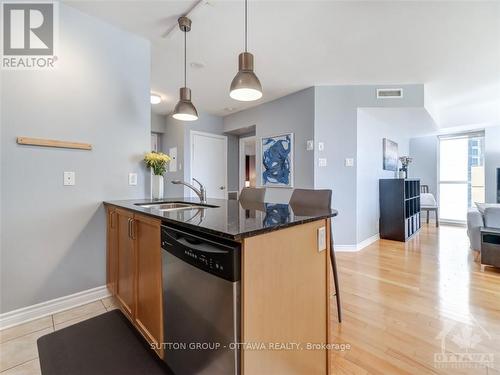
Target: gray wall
{"x":492,"y":162}
{"x":158,"y":123}
{"x":293,"y":113}
{"x":372,"y":128}
{"x":335,"y":124}
{"x":233,"y":162}
{"x":53,"y":236}
{"x":424,"y":151}
{"x":177,"y":134}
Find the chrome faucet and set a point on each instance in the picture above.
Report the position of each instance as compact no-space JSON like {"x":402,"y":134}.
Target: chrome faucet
{"x":201,"y":192}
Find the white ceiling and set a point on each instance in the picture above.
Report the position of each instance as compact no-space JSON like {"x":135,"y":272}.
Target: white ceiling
{"x":451,"y":47}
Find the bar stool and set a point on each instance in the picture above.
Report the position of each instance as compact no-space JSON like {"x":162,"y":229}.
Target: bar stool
{"x":319,"y":199}
{"x":257,"y":195}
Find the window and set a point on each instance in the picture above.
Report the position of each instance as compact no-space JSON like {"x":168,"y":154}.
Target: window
{"x":461,"y":174}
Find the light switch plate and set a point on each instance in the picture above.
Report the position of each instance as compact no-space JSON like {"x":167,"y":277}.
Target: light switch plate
{"x":69,"y":179}
{"x":349,"y":162}
{"x":321,"y":239}
{"x":132,"y":178}
{"x":321,"y":146}
{"x":310,"y":145}
{"x":322,"y":162}
{"x":172,"y":165}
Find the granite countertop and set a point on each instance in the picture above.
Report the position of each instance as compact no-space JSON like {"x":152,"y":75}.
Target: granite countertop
{"x":229,"y":218}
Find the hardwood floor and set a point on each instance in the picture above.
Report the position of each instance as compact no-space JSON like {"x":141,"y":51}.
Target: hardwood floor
{"x":404,"y":304}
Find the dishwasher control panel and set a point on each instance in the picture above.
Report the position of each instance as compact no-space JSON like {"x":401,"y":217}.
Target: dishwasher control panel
{"x":220,"y":258}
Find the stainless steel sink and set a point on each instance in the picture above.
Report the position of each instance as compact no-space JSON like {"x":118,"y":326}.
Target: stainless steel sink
{"x":172,"y":206}
{"x":168,"y":206}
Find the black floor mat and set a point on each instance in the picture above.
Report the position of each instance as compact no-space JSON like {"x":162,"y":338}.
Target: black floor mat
{"x":105,"y":345}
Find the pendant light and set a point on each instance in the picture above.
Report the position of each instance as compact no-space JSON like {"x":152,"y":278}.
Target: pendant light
{"x":245,"y":86}
{"x":185,"y":110}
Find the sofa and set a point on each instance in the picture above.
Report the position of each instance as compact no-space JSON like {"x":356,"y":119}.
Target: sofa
{"x":485,"y":215}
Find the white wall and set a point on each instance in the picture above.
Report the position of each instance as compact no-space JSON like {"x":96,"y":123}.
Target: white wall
{"x":53,"y":236}
{"x":177,"y":134}
{"x":373,"y":127}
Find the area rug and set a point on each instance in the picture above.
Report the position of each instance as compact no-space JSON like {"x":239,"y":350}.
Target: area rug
{"x":105,"y":345}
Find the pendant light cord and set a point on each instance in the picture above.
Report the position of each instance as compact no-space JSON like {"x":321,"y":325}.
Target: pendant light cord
{"x":246,"y":27}
{"x":185,"y":60}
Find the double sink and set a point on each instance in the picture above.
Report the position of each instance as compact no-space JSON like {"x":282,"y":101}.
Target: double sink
{"x":175,"y":206}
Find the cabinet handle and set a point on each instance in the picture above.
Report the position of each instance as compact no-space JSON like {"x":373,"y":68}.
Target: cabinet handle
{"x":129,"y":231}
{"x":132,"y":229}
{"x":112,"y":219}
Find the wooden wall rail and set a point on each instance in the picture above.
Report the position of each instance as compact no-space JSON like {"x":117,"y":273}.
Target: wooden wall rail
{"x":53,"y":143}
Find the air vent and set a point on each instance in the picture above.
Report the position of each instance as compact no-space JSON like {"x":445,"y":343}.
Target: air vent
{"x":389,"y":93}
{"x":232,"y":195}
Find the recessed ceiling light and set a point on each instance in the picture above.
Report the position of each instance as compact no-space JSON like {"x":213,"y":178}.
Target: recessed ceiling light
{"x":155,"y":99}
{"x":197,"y":65}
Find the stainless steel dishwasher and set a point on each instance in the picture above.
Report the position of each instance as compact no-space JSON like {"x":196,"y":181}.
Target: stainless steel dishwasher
{"x":201,"y":294}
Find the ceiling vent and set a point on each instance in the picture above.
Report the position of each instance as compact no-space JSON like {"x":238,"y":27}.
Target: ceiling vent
{"x":389,"y":93}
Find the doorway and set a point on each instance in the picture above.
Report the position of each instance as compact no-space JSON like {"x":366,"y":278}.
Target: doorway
{"x":461,"y":175}
{"x":248,"y":175}
{"x":209,"y":163}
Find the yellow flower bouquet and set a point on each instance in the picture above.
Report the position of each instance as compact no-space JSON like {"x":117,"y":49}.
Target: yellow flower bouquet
{"x":157,"y":161}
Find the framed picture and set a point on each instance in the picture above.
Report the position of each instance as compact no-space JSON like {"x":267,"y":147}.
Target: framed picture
{"x":390,"y":155}
{"x":277,"y":161}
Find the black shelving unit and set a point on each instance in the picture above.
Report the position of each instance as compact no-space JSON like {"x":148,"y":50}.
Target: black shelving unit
{"x":399,"y":208}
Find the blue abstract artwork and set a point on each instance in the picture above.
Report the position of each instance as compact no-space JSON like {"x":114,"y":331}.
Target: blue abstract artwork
{"x":277,"y":160}
{"x":276,"y":213}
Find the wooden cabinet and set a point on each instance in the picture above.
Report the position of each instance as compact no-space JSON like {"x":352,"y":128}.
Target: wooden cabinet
{"x":112,"y":248}
{"x":134,"y":274}
{"x":149,"y":307}
{"x":125,"y":274}
{"x":285,"y":293}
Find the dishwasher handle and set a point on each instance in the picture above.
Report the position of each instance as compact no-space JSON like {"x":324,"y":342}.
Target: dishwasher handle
{"x":200,"y":246}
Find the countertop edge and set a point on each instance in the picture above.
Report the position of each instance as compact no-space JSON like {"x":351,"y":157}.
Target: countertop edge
{"x":238,"y":237}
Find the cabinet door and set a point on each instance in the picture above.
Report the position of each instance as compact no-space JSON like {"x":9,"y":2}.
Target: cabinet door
{"x":149,"y":296}
{"x":125,"y":270}
{"x":111,"y":249}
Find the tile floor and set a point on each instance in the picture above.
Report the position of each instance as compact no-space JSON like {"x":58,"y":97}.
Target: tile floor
{"x":18,"y":349}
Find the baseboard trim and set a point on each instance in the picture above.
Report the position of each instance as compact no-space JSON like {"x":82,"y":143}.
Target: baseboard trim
{"x":26,"y":314}
{"x":357,"y":247}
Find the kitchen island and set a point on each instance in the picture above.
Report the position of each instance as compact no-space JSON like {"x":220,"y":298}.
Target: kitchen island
{"x":281,"y":283}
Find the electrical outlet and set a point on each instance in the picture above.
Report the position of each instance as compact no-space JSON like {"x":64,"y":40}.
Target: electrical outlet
{"x":321,"y":239}
{"x":310,"y":145}
{"x":69,"y":179}
{"x":321,"y":146}
{"x":322,"y":162}
{"x":132,"y":178}
{"x":349,"y":162}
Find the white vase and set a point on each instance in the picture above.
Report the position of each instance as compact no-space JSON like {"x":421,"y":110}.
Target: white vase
{"x":157,"y":187}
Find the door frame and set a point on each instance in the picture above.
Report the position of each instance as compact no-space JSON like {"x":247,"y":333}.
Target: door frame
{"x":192,"y":133}
{"x":241,"y":178}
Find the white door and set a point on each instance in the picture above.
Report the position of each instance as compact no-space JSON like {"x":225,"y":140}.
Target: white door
{"x":209,"y":162}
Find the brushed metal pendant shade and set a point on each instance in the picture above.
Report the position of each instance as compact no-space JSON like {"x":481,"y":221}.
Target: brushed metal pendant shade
{"x":245,"y":85}
{"x":184,"y":109}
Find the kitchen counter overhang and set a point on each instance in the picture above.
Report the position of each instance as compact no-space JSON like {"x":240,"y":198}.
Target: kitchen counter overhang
{"x":228,"y":218}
